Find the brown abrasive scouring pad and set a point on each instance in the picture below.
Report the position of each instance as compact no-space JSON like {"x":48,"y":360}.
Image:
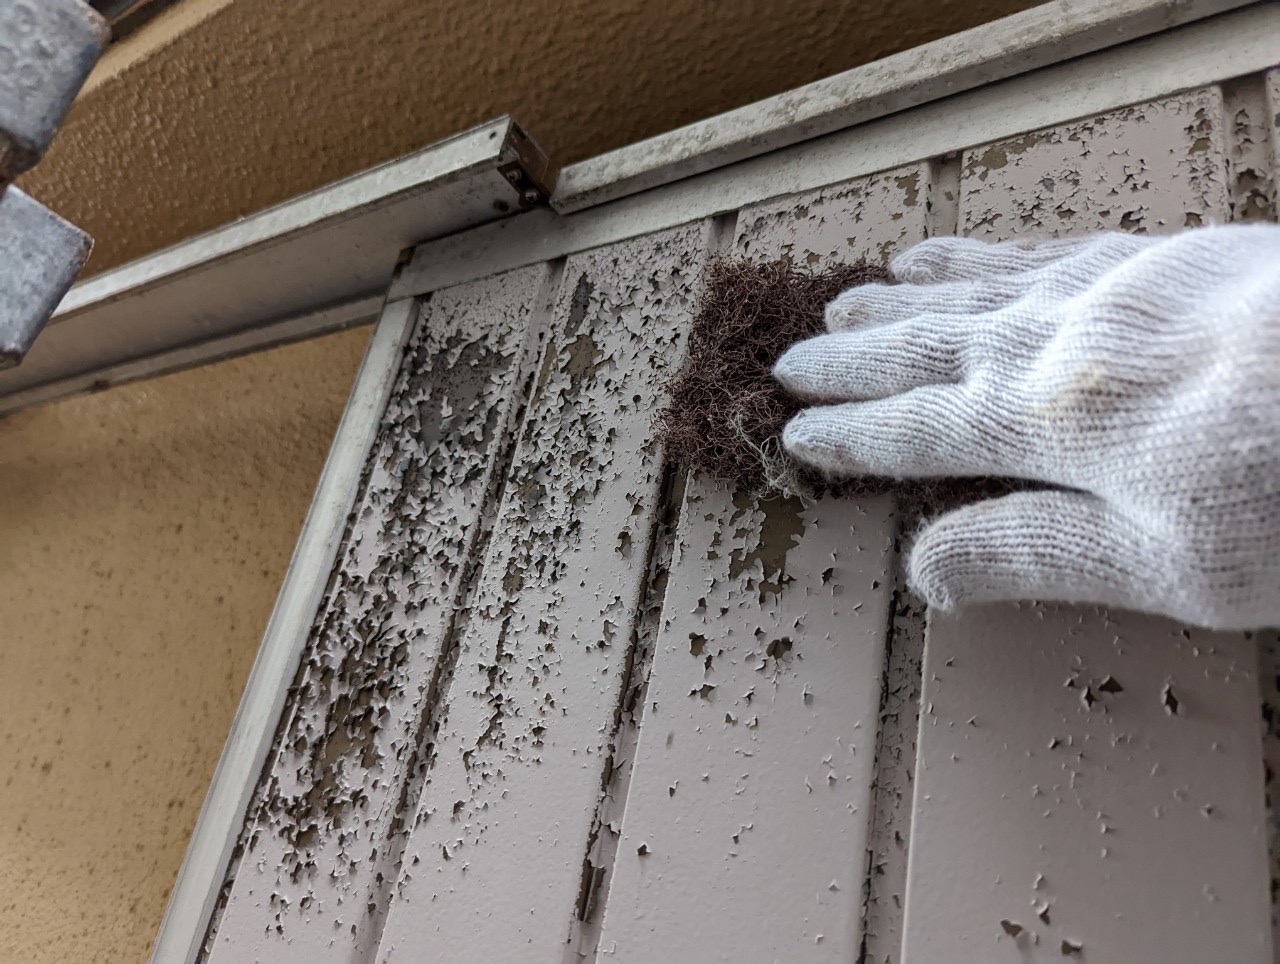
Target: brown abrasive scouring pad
{"x":725,"y":412}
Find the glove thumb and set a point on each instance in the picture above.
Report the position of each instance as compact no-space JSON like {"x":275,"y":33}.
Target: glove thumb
{"x":1065,"y":546}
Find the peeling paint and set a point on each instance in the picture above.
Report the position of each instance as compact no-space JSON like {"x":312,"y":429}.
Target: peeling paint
{"x":1111,"y":171}
{"x":546,"y":658}
{"x":894,"y":782}
{"x":1250,"y":157}
{"x":872,"y":217}
{"x":1091,"y":724}
{"x":644,"y":688}
{"x":324,"y":846}
{"x":753,"y":773}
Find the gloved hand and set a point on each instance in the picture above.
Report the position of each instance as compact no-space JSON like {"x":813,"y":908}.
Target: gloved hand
{"x":1140,"y":374}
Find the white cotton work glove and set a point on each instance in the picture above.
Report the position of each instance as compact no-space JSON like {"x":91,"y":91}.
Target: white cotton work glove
{"x":1139,"y":374}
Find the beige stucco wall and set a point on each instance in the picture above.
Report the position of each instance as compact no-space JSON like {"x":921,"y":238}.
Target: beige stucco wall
{"x":144,"y":531}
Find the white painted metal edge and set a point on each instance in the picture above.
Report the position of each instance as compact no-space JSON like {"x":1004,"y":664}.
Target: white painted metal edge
{"x":1207,"y":52}
{"x":323,"y":249}
{"x":1044,"y":35}
{"x":332,"y":204}
{"x":199,"y":881}
{"x":325,"y":321}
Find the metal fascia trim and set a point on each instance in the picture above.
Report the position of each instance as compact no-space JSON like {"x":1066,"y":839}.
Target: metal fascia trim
{"x":333,"y":246}
{"x":1044,"y":35}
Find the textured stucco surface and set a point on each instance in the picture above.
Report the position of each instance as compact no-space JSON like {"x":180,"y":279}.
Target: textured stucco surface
{"x":144,"y":531}
{"x":260,"y":101}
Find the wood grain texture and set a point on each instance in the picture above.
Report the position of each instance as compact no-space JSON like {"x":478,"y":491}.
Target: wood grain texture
{"x":324,"y":843}
{"x":745,"y":830}
{"x":494,"y":866}
{"x":1073,"y":760}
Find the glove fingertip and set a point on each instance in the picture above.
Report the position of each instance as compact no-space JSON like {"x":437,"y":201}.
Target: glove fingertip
{"x":933,"y":572}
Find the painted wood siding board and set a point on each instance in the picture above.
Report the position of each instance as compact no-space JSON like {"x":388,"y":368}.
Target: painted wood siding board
{"x":744,"y":835}
{"x":1055,"y":783}
{"x":494,"y":865}
{"x":325,"y":844}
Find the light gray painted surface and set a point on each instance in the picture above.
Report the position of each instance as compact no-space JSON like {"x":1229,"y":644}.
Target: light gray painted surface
{"x":1089,"y":783}
{"x":223,"y":816}
{"x":1155,"y":168}
{"x":1057,"y":791}
{"x":751,"y":790}
{"x":328,"y":830}
{"x":752,"y":781}
{"x":494,"y":866}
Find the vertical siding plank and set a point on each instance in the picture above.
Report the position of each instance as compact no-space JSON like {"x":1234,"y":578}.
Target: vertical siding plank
{"x":744,"y":835}
{"x":1152,"y":168}
{"x":1052,"y":806}
{"x":319,"y":855}
{"x":1271,"y":81}
{"x":1248,"y":125}
{"x":493,"y":869}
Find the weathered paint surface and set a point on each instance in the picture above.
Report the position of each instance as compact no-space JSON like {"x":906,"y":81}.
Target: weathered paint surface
{"x":325,"y":846}
{"x":1151,"y":168}
{"x":894,"y":781}
{"x":1269,"y":683}
{"x":1256,"y":156}
{"x":696,"y":708}
{"x":744,"y":836}
{"x":1271,"y":84}
{"x":870,"y":217}
{"x":745,"y":830}
{"x":1089,"y":784}
{"x":1248,"y":124}
{"x":1087,"y":780}
{"x":494,"y":866}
